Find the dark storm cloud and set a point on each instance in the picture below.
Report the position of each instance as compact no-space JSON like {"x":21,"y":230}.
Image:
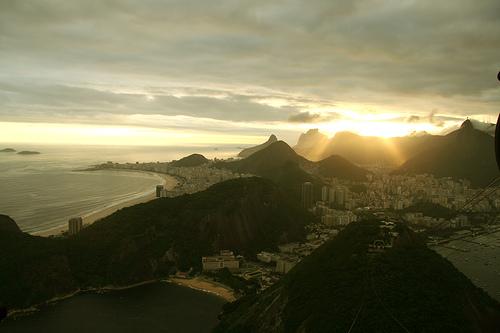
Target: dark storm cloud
{"x":310,"y":117}
{"x":56,"y":100}
{"x":383,"y":52}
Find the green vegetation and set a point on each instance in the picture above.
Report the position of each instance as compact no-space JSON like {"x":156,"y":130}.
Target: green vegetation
{"x":430,"y":209}
{"x":236,"y":283}
{"x":325,"y":292}
{"x":149,"y":240}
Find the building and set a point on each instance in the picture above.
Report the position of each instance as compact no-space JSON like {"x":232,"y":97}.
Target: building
{"x":340,"y":196}
{"x":285,"y":264}
{"x":324,"y":193}
{"x":75,"y":225}
{"x":331,"y":195}
{"x":159,"y":189}
{"x":307,"y":195}
{"x":225,"y":259}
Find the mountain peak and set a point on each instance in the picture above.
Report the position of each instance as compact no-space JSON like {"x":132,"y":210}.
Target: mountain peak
{"x":252,"y":150}
{"x":467,"y":124}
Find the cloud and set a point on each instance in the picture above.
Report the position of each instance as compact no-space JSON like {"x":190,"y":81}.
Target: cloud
{"x":310,"y":117}
{"x":413,"y":119}
{"x":85,"y":59}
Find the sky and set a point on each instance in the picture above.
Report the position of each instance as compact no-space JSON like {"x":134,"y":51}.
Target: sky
{"x":188,"y":72}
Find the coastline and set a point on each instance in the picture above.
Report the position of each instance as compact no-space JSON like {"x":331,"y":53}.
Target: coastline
{"x":207,"y":286}
{"x":169,"y":182}
{"x":196,"y":283}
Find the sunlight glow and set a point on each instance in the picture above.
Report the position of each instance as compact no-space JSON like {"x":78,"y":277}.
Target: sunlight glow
{"x":51,"y":133}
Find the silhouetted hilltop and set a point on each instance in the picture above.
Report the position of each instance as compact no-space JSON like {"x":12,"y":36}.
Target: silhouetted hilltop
{"x":338,"y":167}
{"x":192,"y":160}
{"x":277,"y":162}
{"x":7,"y":150}
{"x":252,"y":150}
{"x":465,"y":153}
{"x":150,"y":240}
{"x":341,"y":287}
{"x":281,"y":164}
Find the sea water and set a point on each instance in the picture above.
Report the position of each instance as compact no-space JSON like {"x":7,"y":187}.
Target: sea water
{"x":41,"y":192}
{"x":157,"y":307}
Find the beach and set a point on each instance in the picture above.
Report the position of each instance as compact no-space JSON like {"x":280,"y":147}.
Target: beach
{"x":168,"y":181}
{"x":205,"y":285}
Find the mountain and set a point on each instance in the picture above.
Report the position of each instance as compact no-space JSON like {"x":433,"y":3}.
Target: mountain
{"x":363,"y":150}
{"x":149,"y":241}
{"x":192,"y":160}
{"x":341,"y":287}
{"x":338,"y":167}
{"x":7,"y":150}
{"x":465,"y":153}
{"x":252,"y":150}
{"x":312,"y":144}
{"x":281,"y":164}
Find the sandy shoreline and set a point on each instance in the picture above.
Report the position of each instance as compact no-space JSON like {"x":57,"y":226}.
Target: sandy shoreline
{"x":207,"y":286}
{"x":169,"y":182}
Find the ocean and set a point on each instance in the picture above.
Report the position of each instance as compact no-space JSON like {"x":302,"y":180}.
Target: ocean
{"x":157,"y":307}
{"x":41,"y":192}
{"x":479,"y":259}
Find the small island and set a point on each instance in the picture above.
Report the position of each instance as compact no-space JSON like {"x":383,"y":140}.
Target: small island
{"x":28,"y":152}
{"x":7,"y":150}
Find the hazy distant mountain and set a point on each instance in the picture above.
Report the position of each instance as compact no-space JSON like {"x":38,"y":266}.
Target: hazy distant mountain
{"x":482,"y":126}
{"x":312,"y":144}
{"x":148,"y":240}
{"x":364,"y":150}
{"x":341,"y":287}
{"x":192,"y":160}
{"x":249,"y":151}
{"x":465,"y":153}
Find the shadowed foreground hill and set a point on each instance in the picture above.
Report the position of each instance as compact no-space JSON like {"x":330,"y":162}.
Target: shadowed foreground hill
{"x":149,"y":240}
{"x":340,"y":286}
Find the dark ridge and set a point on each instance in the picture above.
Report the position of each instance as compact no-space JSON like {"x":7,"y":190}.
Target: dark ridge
{"x":192,"y":160}
{"x":8,"y":225}
{"x":339,"y":167}
{"x":466,"y":153}
{"x":150,"y":241}
{"x":407,"y":286}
